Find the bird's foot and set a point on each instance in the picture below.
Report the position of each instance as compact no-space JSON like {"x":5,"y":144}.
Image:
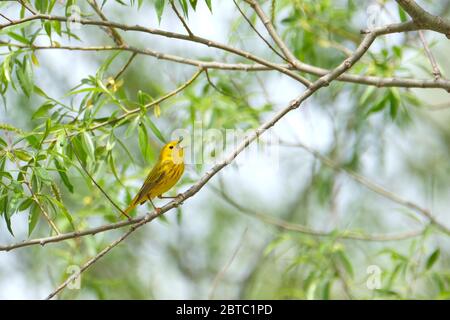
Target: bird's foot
{"x":179,"y":199}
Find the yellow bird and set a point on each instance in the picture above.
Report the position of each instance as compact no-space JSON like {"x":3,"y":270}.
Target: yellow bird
{"x":164,"y":175}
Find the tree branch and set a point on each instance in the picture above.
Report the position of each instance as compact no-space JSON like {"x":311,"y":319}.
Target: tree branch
{"x":424,"y":19}
{"x":110,"y":31}
{"x":5,"y":17}
{"x":285,"y":225}
{"x":374,"y":187}
{"x":273,"y":33}
{"x":167,"y":34}
{"x":258,"y":33}
{"x":180,"y":17}
{"x":436,"y":72}
{"x":351,"y":78}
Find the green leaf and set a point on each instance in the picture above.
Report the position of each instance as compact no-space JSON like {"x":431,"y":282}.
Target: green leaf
{"x":48,"y":28}
{"x":184,"y":6}
{"x":143,"y":141}
{"x":22,"y":155}
{"x":159,"y":7}
{"x":41,"y":5}
{"x":57,"y":27}
{"x":342,"y":257}
{"x":432,"y":259}
{"x":402,"y":14}
{"x":367,"y":94}
{"x":2,"y":143}
{"x":193,"y":3}
{"x":64,"y":211}
{"x":208,"y":3}
{"x":25,"y":204}
{"x":42,"y":173}
{"x":25,"y":76}
{"x":378,"y":106}
{"x":326,"y":290}
{"x":19,"y":26}
{"x":394,"y":99}
{"x":88,"y":145}
{"x":112,"y":165}
{"x":62,"y":173}
{"x":154,"y":129}
{"x":78,"y":149}
{"x":33,"y":218}
{"x":19,"y":37}
{"x":7,"y":212}
{"x":163,"y":218}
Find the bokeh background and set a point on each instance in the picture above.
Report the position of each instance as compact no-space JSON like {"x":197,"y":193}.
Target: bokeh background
{"x":221,"y":243}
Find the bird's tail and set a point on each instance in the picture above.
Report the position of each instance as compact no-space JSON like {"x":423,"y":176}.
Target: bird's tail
{"x":132,"y":205}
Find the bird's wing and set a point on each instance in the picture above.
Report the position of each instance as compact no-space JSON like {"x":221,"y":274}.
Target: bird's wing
{"x":153,"y":179}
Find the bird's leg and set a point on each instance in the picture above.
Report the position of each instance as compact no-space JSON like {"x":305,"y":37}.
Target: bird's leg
{"x":157,"y":210}
{"x":176,"y":197}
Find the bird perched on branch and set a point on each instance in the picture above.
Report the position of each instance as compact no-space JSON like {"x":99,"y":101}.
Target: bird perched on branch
{"x":164,"y":175}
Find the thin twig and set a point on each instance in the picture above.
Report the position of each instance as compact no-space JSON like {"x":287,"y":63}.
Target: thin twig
{"x":180,"y":17}
{"x":93,"y":260}
{"x":83,"y":167}
{"x":148,"y":105}
{"x":71,"y":235}
{"x":373,"y":186}
{"x":273,"y":33}
{"x":136,"y":111}
{"x":125,"y":66}
{"x":5,"y":17}
{"x":217,"y":88}
{"x":424,"y":18}
{"x":288,"y":226}
{"x":110,"y":31}
{"x":258,"y":33}
{"x":22,"y":2}
{"x":347,"y":77}
{"x":37,"y":202}
{"x":97,"y":96}
{"x":436,"y":72}
{"x":173,"y":35}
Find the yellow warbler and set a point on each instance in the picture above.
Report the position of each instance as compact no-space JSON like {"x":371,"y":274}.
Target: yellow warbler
{"x":164,"y":175}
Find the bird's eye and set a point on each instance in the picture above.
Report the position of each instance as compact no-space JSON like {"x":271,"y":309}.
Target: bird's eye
{"x":171,"y":147}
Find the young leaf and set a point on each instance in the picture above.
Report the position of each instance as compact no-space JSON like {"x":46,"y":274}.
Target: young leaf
{"x":143,"y":141}
{"x":208,"y":3}
{"x":432,"y":259}
{"x":42,"y":174}
{"x":22,"y":155}
{"x":159,"y":7}
{"x":62,"y":173}
{"x":33,"y":218}
{"x":402,"y":14}
{"x":193,"y":4}
{"x":184,"y":6}
{"x":342,"y":257}
{"x":88,"y":145}
{"x":154,"y":129}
